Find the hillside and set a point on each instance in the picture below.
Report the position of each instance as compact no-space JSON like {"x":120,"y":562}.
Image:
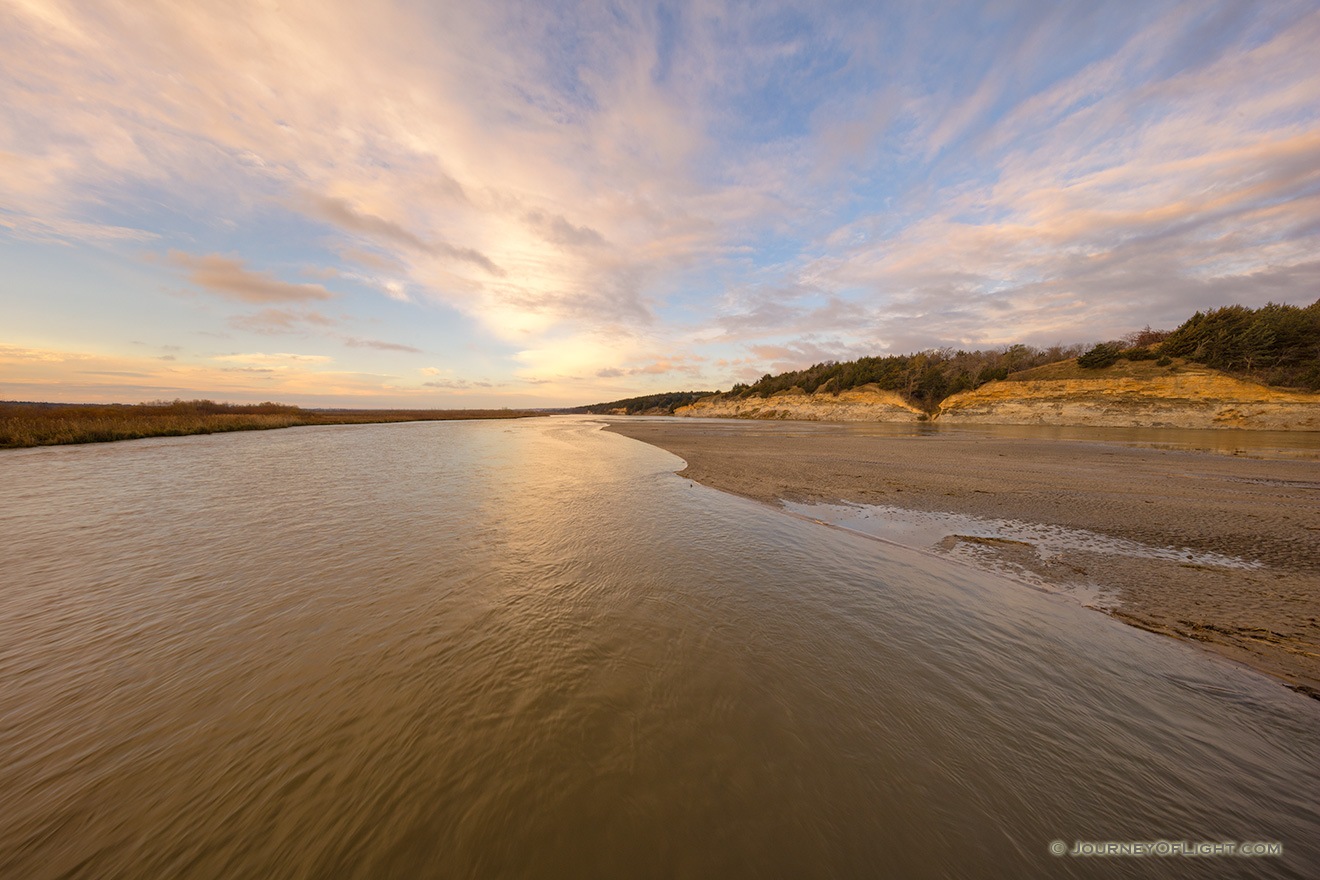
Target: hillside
{"x":1125,"y":394}
{"x":1179,"y":395}
{"x":1231,"y":366}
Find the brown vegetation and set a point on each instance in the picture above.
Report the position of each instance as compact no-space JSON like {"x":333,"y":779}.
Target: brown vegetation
{"x":46,"y":424}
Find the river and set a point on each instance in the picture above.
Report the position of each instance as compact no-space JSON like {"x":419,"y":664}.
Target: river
{"x":528,"y":649}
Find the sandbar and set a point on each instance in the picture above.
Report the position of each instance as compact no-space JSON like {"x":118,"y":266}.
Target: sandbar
{"x":1241,"y":578}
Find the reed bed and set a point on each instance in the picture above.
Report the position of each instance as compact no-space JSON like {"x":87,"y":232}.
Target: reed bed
{"x":41,"y":424}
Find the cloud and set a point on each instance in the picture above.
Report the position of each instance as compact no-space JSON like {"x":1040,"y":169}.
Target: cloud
{"x":49,"y":229}
{"x":277,"y":360}
{"x":1131,"y":192}
{"x":279,"y":321}
{"x":429,"y":167}
{"x":688,"y":364}
{"x":555,"y":229}
{"x":227,"y":277}
{"x":753,"y":313}
{"x":342,"y":214}
{"x":371,"y":259}
{"x":800,"y":353}
{"x":357,"y":342}
{"x":130,"y":374}
{"x":16,"y":354}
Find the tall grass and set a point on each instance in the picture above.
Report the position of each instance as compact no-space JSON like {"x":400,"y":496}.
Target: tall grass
{"x":44,"y":424}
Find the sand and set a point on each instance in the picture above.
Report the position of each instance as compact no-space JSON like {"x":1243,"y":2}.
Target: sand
{"x":1240,"y":536}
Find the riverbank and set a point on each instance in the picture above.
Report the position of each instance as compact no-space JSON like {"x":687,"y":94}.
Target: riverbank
{"x":44,"y":424}
{"x":1217,"y":549}
{"x":1127,"y":394}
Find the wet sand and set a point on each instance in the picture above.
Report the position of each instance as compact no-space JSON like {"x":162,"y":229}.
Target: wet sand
{"x":1263,"y":612}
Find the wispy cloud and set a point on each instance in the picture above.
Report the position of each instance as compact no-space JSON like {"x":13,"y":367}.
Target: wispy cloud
{"x":280,"y":321}
{"x":277,"y":360}
{"x":555,"y":229}
{"x":342,"y":214}
{"x":689,"y":365}
{"x":17,"y":354}
{"x":379,"y":345}
{"x":229,"y":278}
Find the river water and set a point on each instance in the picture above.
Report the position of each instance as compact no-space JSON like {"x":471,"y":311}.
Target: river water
{"x":528,"y":649}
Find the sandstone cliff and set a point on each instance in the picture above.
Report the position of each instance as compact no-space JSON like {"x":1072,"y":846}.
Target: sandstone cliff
{"x":864,"y":404}
{"x":1181,"y":395}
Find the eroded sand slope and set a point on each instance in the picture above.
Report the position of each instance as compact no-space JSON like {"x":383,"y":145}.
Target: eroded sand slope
{"x":1191,"y":397}
{"x":865,"y":404}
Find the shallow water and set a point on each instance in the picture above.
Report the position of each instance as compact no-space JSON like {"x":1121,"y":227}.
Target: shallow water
{"x":926,"y":528}
{"x":960,"y":537}
{"x":527,"y":649}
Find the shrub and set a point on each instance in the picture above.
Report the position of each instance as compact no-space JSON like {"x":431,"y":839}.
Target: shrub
{"x":1103,"y":355}
{"x":1310,"y":380}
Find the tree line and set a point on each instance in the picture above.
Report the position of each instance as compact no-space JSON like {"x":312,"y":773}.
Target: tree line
{"x":662,"y":404}
{"x":1275,"y":344}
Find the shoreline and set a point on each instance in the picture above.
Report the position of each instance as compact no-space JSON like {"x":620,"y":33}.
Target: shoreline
{"x":1219,"y":550}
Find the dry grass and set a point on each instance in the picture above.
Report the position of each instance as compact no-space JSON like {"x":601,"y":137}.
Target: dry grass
{"x":37,"y":424}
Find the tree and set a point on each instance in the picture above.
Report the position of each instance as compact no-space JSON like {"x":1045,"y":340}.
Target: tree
{"x":1103,"y":355}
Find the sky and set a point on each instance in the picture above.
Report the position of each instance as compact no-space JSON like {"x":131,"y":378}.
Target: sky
{"x":455,"y":204}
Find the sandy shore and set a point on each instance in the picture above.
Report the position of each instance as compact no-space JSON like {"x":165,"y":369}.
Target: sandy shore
{"x":1239,"y":537}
